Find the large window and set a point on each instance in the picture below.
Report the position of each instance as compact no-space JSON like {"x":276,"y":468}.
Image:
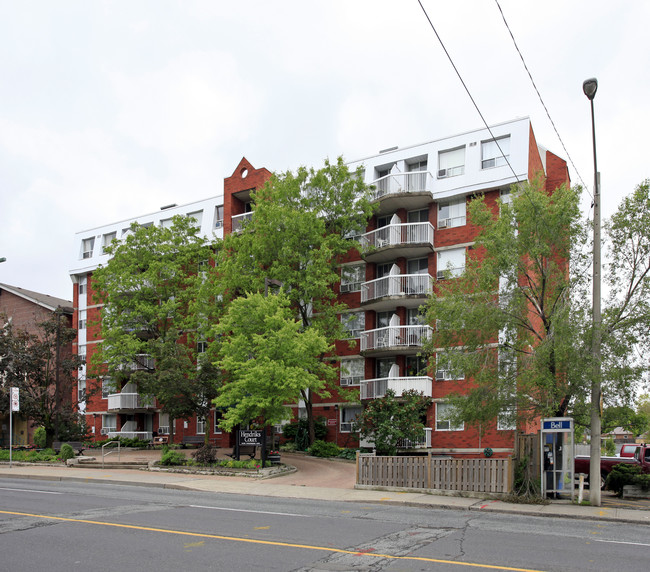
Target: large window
{"x":87,"y":246}
{"x":444,"y":412}
{"x":108,"y":387}
{"x":352,"y":371}
{"x":452,"y":213}
{"x":352,"y":275}
{"x":163,"y":423}
{"x":200,"y":426}
{"x":495,"y":153}
{"x":82,"y":319}
{"x":417,"y":181}
{"x":354,"y":323}
{"x":348,"y":418}
{"x":445,"y":369}
{"x":451,"y":162}
{"x":83,"y":284}
{"x":109,"y":423}
{"x":452,"y":260}
{"x":107,"y":239}
{"x":218,"y":216}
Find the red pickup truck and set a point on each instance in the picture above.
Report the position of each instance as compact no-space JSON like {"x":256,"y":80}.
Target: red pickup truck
{"x":641,"y":457}
{"x":628,"y":450}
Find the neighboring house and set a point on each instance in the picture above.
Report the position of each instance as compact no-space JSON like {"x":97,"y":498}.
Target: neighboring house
{"x":26,"y":309}
{"x":419,"y":230}
{"x":619,"y":436}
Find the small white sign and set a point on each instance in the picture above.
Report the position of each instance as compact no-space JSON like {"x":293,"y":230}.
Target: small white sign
{"x":15,"y":399}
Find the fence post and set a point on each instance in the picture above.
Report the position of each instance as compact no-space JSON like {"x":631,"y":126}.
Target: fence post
{"x":428,"y":469}
{"x":357,"y":466}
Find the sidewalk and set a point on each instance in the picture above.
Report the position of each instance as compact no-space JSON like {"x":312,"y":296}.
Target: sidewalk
{"x":307,"y":484}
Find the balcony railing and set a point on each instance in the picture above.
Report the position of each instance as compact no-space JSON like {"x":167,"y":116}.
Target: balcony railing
{"x":398,"y":183}
{"x":239,"y":220}
{"x":412,"y":233}
{"x":375,"y":388}
{"x":396,"y":285}
{"x":423,"y":443}
{"x":118,"y":401}
{"x":141,"y":362}
{"x":142,"y":435}
{"x":393,"y":337}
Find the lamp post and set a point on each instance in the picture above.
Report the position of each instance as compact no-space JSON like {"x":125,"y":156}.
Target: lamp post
{"x":589,"y":87}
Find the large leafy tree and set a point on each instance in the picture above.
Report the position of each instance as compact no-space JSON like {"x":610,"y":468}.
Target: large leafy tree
{"x":387,"y":421}
{"x":42,"y":367}
{"x":269,"y":358}
{"x":151,"y":327}
{"x":299,"y":232}
{"x":513,"y":323}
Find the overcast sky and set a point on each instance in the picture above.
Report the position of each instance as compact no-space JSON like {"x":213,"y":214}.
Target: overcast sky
{"x":111,"y":109}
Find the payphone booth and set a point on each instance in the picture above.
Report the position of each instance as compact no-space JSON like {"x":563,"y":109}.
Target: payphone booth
{"x":557,"y":457}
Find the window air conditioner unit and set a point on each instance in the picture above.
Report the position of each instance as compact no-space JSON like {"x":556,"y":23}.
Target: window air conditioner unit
{"x":441,"y":275}
{"x":444,"y":223}
{"x":218,"y":224}
{"x":442,"y":173}
{"x":88,"y":254}
{"x":441,"y":375}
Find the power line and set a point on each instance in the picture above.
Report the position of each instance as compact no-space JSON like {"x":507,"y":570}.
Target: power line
{"x":540,"y":98}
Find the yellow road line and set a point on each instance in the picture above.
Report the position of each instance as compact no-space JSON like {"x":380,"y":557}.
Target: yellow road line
{"x":269,"y":542}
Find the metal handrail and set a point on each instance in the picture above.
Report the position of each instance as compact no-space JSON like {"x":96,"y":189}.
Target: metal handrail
{"x":106,"y":445}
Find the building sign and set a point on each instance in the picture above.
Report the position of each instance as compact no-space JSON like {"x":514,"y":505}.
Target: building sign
{"x":250,"y":437}
{"x":15,"y":399}
{"x":331,"y":422}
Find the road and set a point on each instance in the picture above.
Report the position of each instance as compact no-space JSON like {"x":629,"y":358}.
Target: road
{"x":64,"y":526}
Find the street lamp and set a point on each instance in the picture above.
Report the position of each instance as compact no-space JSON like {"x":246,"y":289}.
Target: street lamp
{"x":589,"y":87}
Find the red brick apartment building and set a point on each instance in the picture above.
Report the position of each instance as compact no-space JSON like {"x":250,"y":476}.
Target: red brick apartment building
{"x":28,"y":309}
{"x":419,"y":229}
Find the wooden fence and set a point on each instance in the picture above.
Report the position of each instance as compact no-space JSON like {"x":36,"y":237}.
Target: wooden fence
{"x":470,"y":475}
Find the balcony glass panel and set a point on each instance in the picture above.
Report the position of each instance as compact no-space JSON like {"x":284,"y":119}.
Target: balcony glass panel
{"x":238,"y":221}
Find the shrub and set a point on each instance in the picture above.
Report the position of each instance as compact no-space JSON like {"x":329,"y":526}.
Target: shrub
{"x":621,"y":475}
{"x":298,"y":432}
{"x":610,"y":447}
{"x":206,"y":455}
{"x":40,"y":437}
{"x":66,"y":452}
{"x":324,"y":449}
{"x":172,"y":458}
{"x":350,"y":454}
{"x":643,"y":481}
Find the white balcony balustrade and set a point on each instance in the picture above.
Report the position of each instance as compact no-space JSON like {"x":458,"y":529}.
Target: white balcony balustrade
{"x":238,"y":221}
{"x":128,"y":431}
{"x":404,"y":234}
{"x":423,"y":443}
{"x":122,"y":401}
{"x":376,"y":388}
{"x":393,"y":337}
{"x":398,"y":183}
{"x":397,"y":285}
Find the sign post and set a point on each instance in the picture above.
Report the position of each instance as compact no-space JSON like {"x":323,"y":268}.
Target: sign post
{"x":15,"y":406}
{"x":557,"y":457}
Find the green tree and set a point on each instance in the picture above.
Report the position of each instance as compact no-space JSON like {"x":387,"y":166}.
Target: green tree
{"x":388,"y":420}
{"x":513,"y":323}
{"x":625,"y":417}
{"x":154,"y":319}
{"x":29,"y":362}
{"x":300,"y":230}
{"x":270,"y":360}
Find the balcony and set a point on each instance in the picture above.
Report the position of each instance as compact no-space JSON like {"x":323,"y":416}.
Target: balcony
{"x":380,"y":244}
{"x":141,"y":362}
{"x":238,"y":221}
{"x":375,"y":388}
{"x":127,"y":431}
{"x":382,"y":291}
{"x":401,"y":189}
{"x":424,"y":443}
{"x":129,"y":402}
{"x":396,"y":339}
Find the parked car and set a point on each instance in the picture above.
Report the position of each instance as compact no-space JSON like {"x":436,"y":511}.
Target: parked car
{"x":629,"y":449}
{"x":641,"y":457}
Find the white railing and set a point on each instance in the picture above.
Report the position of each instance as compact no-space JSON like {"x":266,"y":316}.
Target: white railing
{"x":375,"y":388}
{"x":129,"y":401}
{"x":397,"y":285}
{"x":394,"y":337}
{"x":405,"y":234}
{"x":141,"y":362}
{"x":239,"y":220}
{"x":163,"y":430}
{"x":423,"y":443}
{"x":398,"y":183}
{"x":142,"y":435}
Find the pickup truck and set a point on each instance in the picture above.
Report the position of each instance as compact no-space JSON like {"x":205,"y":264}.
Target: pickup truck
{"x":641,"y":457}
{"x":628,"y":450}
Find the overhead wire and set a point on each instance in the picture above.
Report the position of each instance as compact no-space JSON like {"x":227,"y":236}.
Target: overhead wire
{"x":523,"y":61}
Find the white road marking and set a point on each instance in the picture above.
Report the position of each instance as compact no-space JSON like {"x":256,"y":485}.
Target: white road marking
{"x":31,"y":491}
{"x":253,"y":511}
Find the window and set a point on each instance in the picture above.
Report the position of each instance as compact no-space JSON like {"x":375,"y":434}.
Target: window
{"x":416,"y":366}
{"x":82,"y":319}
{"x":167,"y":223}
{"x":108,"y":387}
{"x":87,"y":246}
{"x":348,"y":418}
{"x":417,"y":181}
{"x":444,"y":411}
{"x":452,"y":213}
{"x":451,"y":162}
{"x":352,"y":276}
{"x":163,"y":423}
{"x":81,"y":389}
{"x":507,"y":420}
{"x":83,"y":284}
{"x":452,"y":261}
{"x":354,"y":323}
{"x":383,"y":367}
{"x":200,"y":426}
{"x":417,"y":266}
{"x":81,"y":352}
{"x":197,"y":216}
{"x":217,"y":419}
{"x":352,"y":371}
{"x":445,"y":369}
{"x":415,"y":317}
{"x":421,"y":215}
{"x":492,"y":156}
{"x":107,"y":239}
{"x":201,"y":347}
{"x":109,"y":423}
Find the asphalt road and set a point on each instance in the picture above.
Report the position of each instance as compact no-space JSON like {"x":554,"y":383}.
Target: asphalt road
{"x":57,"y":526}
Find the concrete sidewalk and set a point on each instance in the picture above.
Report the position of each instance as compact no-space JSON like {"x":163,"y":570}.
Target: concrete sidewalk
{"x":288,"y":486}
